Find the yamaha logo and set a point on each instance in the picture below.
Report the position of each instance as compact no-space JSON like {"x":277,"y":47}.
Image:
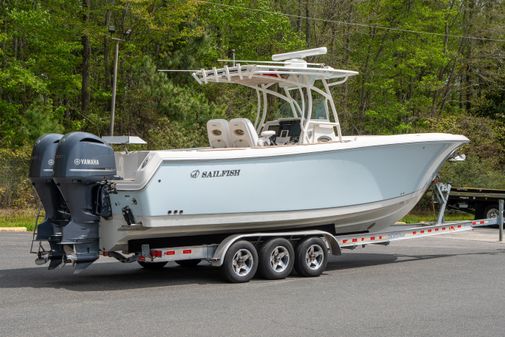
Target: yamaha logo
{"x":195,"y":174}
{"x":85,"y":161}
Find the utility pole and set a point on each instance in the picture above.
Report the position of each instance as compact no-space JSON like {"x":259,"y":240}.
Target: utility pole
{"x":112,"y":30}
{"x":114,"y":85}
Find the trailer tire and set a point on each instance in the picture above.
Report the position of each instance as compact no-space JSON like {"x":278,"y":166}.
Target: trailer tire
{"x":491,"y":212}
{"x":188,"y":263}
{"x":276,"y":259}
{"x":152,"y":265}
{"x":311,"y":257}
{"x":240,"y":262}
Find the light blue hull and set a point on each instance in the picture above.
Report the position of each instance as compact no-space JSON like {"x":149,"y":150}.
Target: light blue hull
{"x":289,"y":183}
{"x":356,"y":189}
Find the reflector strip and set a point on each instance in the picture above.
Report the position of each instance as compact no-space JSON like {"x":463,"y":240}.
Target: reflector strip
{"x":186,"y":251}
{"x":156,"y":253}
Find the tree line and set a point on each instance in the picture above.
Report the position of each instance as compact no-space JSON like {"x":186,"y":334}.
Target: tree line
{"x":424,"y":66}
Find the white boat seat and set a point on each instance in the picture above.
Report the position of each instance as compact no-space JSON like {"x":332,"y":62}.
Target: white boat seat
{"x":219,"y":133}
{"x":243,"y":133}
{"x":321,"y":133}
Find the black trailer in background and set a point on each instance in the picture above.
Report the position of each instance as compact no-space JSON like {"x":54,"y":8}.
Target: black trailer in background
{"x":482,"y":202}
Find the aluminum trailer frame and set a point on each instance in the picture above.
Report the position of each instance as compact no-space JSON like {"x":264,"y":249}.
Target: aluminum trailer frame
{"x":215,"y":253}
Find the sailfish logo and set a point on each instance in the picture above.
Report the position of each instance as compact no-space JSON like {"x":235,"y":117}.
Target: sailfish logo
{"x":195,"y":174}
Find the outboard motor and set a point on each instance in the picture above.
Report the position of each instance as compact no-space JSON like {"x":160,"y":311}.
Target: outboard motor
{"x":57,"y":215}
{"x":83,"y":165}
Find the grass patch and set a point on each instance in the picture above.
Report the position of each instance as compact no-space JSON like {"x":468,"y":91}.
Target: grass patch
{"x":430,"y":217}
{"x":19,"y":218}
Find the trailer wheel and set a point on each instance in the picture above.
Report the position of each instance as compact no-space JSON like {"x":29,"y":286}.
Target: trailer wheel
{"x":311,"y":257}
{"x":491,"y":212}
{"x":240,"y":262}
{"x":188,"y":263}
{"x":276,"y":259}
{"x":152,"y":265}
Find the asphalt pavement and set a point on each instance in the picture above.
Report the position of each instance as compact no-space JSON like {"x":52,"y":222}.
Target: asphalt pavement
{"x":440,"y":286}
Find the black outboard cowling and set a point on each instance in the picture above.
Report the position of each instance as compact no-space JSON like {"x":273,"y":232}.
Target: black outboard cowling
{"x":83,"y":165}
{"x":41,"y":176}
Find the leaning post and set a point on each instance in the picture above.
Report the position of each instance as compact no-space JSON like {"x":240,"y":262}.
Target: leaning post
{"x":500,"y":219}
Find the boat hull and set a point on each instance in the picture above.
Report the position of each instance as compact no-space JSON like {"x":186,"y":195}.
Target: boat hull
{"x":364,"y":185}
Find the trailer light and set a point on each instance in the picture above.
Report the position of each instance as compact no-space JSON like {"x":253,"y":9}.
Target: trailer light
{"x":141,"y":258}
{"x":186,"y":251}
{"x":170,"y":252}
{"x":156,"y":253}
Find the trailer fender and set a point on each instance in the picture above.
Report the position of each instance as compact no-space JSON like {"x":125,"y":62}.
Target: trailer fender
{"x":220,"y":252}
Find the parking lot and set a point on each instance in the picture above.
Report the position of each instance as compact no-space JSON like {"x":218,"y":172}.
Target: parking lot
{"x":441,"y":286}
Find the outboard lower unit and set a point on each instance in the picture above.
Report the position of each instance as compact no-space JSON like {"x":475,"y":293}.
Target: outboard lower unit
{"x":57,"y":215}
{"x":83,"y":166}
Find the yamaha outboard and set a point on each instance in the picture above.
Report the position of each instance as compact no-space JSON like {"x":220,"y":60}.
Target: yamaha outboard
{"x":57,"y":215}
{"x":83,"y":165}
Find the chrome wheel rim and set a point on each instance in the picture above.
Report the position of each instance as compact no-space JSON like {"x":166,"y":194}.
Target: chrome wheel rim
{"x":279,"y":259}
{"x":314,"y":257}
{"x":242,"y":262}
{"x":492,"y":213}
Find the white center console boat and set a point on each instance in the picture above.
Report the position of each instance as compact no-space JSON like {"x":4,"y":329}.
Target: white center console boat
{"x":296,"y":172}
